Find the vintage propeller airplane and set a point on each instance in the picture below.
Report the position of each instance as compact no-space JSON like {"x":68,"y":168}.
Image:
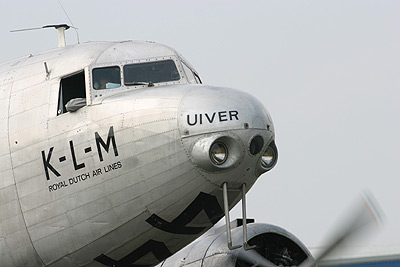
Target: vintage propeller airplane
{"x":116,"y":154}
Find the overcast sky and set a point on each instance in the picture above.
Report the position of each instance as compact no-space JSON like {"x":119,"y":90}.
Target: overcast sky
{"x":327,"y":71}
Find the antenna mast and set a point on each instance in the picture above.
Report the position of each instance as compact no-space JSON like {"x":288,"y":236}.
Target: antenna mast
{"x":61,"y":28}
{"x":61,"y":33}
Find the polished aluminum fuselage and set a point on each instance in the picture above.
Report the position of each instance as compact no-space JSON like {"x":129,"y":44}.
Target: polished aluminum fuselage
{"x":126,"y":178}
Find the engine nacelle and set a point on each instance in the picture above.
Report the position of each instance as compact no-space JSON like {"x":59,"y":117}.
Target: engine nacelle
{"x":274,"y":244}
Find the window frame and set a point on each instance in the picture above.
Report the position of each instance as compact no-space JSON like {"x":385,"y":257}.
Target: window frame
{"x":97,"y":96}
{"x":61,"y":109}
{"x":106,"y":67}
{"x":124,"y":71}
{"x":190,"y":77}
{"x":196,"y":77}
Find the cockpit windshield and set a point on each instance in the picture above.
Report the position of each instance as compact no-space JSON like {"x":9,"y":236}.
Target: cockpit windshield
{"x":106,"y":78}
{"x":151,"y":72}
{"x":146,"y":73}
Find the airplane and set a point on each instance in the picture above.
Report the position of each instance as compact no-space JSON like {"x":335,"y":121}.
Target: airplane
{"x":116,"y":154}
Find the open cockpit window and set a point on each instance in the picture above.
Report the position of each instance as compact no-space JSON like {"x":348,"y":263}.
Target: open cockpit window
{"x":191,"y":75}
{"x":72,"y":95}
{"x":106,"y":78}
{"x":150,"y":72}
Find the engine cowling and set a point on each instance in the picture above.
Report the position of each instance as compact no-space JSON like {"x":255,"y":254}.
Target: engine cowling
{"x":273,"y":245}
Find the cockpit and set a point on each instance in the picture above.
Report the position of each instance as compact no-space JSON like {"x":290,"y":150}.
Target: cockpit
{"x":162,"y":71}
{"x":146,"y":73}
{"x":111,"y":79}
{"x":117,"y":67}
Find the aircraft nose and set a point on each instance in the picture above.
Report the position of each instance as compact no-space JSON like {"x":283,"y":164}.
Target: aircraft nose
{"x":225,"y":130}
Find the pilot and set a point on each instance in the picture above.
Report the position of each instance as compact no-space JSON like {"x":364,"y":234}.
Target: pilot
{"x":106,"y":78}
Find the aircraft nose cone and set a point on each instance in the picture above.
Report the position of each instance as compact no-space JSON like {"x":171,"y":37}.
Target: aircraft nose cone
{"x":227,"y":132}
{"x":214,"y":109}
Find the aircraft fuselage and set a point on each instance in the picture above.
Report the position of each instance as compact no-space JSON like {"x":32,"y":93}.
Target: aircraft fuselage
{"x":132,"y":171}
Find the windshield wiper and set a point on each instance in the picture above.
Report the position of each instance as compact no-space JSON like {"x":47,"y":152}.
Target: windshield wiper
{"x":149,"y":84}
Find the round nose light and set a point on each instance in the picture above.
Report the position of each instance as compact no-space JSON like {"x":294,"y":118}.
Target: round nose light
{"x":218,"y":153}
{"x":268,"y":158}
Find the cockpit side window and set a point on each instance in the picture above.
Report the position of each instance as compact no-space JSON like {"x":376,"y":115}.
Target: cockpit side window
{"x":106,"y":78}
{"x":189,"y":73}
{"x":151,"y":72}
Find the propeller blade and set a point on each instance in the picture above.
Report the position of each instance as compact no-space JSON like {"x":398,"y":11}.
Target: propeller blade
{"x":365,"y":215}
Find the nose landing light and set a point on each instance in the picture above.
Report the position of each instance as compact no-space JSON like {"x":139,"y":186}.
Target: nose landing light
{"x":269,"y":157}
{"x":218,"y":153}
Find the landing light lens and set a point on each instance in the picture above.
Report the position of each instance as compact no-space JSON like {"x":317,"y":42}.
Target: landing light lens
{"x":268,"y":158}
{"x":218,"y":153}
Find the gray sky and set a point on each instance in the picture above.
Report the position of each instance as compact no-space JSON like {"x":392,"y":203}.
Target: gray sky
{"x":327,"y":71}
